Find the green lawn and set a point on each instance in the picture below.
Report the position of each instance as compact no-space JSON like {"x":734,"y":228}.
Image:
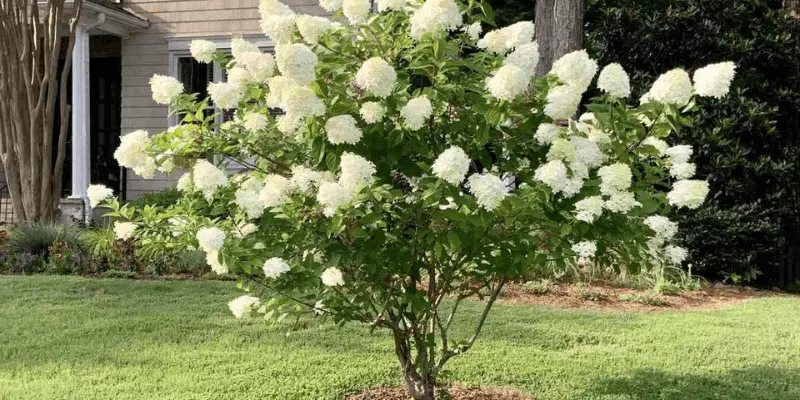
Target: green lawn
{"x":75,"y":338}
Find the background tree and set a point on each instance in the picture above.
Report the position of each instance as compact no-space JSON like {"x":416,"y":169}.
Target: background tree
{"x":793,"y":6}
{"x":32,"y":40}
{"x":559,"y":30}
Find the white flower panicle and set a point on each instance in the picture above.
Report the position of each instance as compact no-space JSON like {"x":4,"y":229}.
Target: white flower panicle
{"x":242,"y":306}
{"x":688,"y":193}
{"x":474,"y":31}
{"x":672,"y":87}
{"x":518,"y":34}
{"x":277,"y":20}
{"x":296,"y":62}
{"x":621,"y":202}
{"x":240,"y":47}
{"x":261,"y":66}
{"x":165,"y":88}
{"x":244,"y":229}
{"x":372,"y":112}
{"x":525,"y":56}
{"x":240,"y":78}
{"x":493,"y":41}
{"x":561,"y":149}
{"x":97,"y":194}
{"x":247,"y":197}
{"x":311,"y":27}
{"x":132,"y":153}
{"x":184,"y":183}
{"x":254,"y":121}
{"x":275,"y":192}
{"x":682,"y":171}
{"x":508,"y":82}
{"x":416,"y":112}
{"x":553,"y":174}
{"x":288,"y":123}
{"x":714,"y":80}
{"x":343,"y":129}
{"x":224,"y":95}
{"x":487,"y":189}
{"x":545,"y":133}
{"x":356,"y":171}
{"x":278,"y":87}
{"x":356,"y":11}
{"x":207,"y":178}
{"x":212,"y":259}
{"x":275,"y":267}
{"x":452,"y":165}
{"x":332,"y":196}
{"x":435,"y":15}
{"x":664,"y":229}
{"x":675,"y":255}
{"x":332,"y":277}
{"x":614,"y":178}
{"x":587,"y":152}
{"x":575,"y":69}
{"x":614,"y":81}
{"x":376,"y":77}
{"x":304,"y":179}
{"x":386,"y":5}
{"x":585,"y":250}
{"x":679,"y":154}
{"x":589,"y":209}
{"x":210,"y":239}
{"x":562,"y":102}
{"x":331,"y":5}
{"x":124,"y":230}
{"x":203,"y":50}
{"x":301,"y":101}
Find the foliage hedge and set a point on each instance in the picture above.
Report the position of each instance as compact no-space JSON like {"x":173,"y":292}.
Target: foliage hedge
{"x":747,"y":145}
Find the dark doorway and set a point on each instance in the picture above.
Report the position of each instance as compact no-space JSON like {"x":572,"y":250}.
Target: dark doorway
{"x":106,"y":105}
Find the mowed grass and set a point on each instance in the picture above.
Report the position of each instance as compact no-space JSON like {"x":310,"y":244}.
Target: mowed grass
{"x":76,"y":338}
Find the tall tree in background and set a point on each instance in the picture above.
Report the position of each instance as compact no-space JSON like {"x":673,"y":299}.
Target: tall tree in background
{"x":32,"y":34}
{"x":793,"y":6}
{"x":559,"y":30}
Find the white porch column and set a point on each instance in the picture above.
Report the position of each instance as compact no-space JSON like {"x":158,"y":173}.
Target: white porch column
{"x":80,"y":115}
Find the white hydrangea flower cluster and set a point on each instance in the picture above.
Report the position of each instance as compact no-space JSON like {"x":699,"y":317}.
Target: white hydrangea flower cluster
{"x":225,"y":95}
{"x":585,"y":250}
{"x":124,"y":230}
{"x":355,"y":171}
{"x":452,"y":165}
{"x":132,"y":153}
{"x":277,"y":20}
{"x":416,"y":112}
{"x":562,"y":101}
{"x":311,"y":27}
{"x":332,"y":196}
{"x":331,"y":5}
{"x":672,"y":87}
{"x":372,"y":112}
{"x":332,"y":277}
{"x":356,"y":11}
{"x":387,"y":5}
{"x":276,"y":191}
{"x":589,"y":209}
{"x":343,"y":129}
{"x":296,"y":62}
{"x":660,"y":145}
{"x":242,"y":306}
{"x":97,"y":194}
{"x":505,"y":39}
{"x":614,"y":81}
{"x":576,"y":70}
{"x":203,"y":50}
{"x":254,"y":121}
{"x":275,"y":267}
{"x":212,"y":259}
{"x":433,"y":16}
{"x":688,"y":193}
{"x":714,"y":80}
{"x":207,"y":178}
{"x":546,"y":133}
{"x":304,"y":179}
{"x":680,"y":167}
{"x":165,"y":89}
{"x":376,"y":77}
{"x":474,"y":31}
{"x":210,"y":239}
{"x":487,"y":189}
{"x":508,"y":82}
{"x":248,"y":198}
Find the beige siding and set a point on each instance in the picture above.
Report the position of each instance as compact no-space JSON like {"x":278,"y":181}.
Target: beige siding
{"x":146,"y":53}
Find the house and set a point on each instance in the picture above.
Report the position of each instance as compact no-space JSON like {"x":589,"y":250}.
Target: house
{"x":120,"y":45}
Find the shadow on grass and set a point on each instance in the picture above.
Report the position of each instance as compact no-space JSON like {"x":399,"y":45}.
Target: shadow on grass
{"x":754,"y":383}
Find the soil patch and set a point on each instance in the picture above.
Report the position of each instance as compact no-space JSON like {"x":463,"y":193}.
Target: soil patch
{"x":457,"y":392}
{"x":606,"y":296}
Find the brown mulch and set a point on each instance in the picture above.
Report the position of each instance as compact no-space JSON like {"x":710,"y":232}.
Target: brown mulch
{"x":606,"y":296}
{"x":457,"y":392}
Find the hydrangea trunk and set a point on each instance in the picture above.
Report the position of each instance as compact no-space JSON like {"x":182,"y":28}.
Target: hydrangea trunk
{"x":420,"y":381}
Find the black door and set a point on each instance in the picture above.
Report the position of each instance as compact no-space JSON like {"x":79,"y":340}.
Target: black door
{"x":105,"y":104}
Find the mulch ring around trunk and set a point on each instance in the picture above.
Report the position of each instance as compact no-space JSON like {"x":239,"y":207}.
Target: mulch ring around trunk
{"x":457,"y":392}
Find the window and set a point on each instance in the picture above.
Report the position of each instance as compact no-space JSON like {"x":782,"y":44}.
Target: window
{"x":195,"y":77}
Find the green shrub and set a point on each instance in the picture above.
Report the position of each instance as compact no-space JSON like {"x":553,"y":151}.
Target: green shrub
{"x":642,"y":298}
{"x":37,"y":238}
{"x":163,"y":198}
{"x":747,"y":145}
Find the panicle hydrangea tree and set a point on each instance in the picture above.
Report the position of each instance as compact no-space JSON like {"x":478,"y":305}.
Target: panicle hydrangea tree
{"x":384,"y":167}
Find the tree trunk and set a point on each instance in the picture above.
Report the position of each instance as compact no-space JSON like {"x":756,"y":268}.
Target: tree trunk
{"x":793,"y":7}
{"x":420,"y":385}
{"x":30,"y":48}
{"x":559,"y":30}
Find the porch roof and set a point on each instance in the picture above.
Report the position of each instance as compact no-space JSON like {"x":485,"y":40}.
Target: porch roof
{"x":106,"y":17}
